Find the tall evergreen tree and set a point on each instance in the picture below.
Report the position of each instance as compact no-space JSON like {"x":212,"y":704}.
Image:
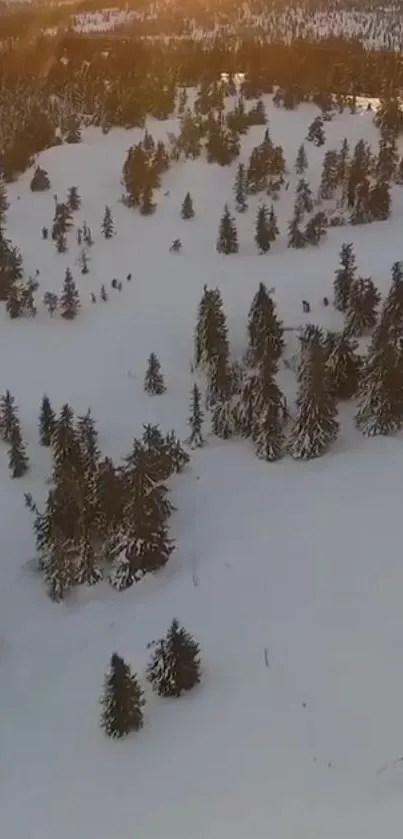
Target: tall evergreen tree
{"x":73,"y":199}
{"x":147,"y":205}
{"x":362,"y":306}
{"x":227,"y":241}
{"x":11,"y":268}
{"x":47,"y":422}
{"x":8,"y":416}
{"x":240,"y":189}
{"x":301,"y":162}
{"x":211,"y":335}
{"x":344,"y":365}
{"x":40,"y":180}
{"x":316,"y":425}
{"x":196,"y":419}
{"x":262,"y":234}
{"x":265,"y":330}
{"x":380,"y":398}
{"x":175,"y":664}
{"x":107,"y":227}
{"x":154,"y":380}
{"x":122,"y":700}
{"x":187,"y":211}
{"x":344,"y":277}
{"x":296,"y":238}
{"x":69,"y":298}
{"x":17,"y":458}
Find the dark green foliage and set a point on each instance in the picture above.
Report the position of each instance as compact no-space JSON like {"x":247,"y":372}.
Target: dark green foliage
{"x":14,"y":302}
{"x":122,"y":701}
{"x":315,"y":229}
{"x":362,"y":306}
{"x":265,"y":330}
{"x":296,"y":238}
{"x":62,"y":221}
{"x":211,"y":336}
{"x":40,"y":180}
{"x":196,"y":419}
{"x":175,"y":664}
{"x":380,"y":405}
{"x":187,"y":211}
{"x":227,"y":241}
{"x":344,"y":277}
{"x":73,"y":199}
{"x":8,"y":416}
{"x":47,"y":422}
{"x":262,"y":231}
{"x":147,"y":205}
{"x":344,"y":365}
{"x":51,"y":301}
{"x":69,"y":303}
{"x":316,"y":425}
{"x":240,"y":187}
{"x":73,"y":134}
{"x":154,"y":380}
{"x":88,"y":438}
{"x":303,"y":200}
{"x":107,"y":226}
{"x":18,"y":462}
{"x":10,"y":266}
{"x":301,"y":162}
{"x":316,"y":134}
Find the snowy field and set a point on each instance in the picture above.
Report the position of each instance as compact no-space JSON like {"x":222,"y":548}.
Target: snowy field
{"x":296,"y":562}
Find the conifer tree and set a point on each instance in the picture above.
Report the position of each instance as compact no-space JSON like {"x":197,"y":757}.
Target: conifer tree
{"x":40,"y":180}
{"x":14,"y":302}
{"x":380,"y":402}
{"x":272,"y":225}
{"x":154,"y":380}
{"x":107,"y":226}
{"x":268,"y":422}
{"x":103,"y":294}
{"x":329,"y":177}
{"x":87,"y":571}
{"x":227,"y":241}
{"x":265,"y":330}
{"x":17,"y":457}
{"x":175,"y":663}
{"x":301,"y":162}
{"x":122,"y":701}
{"x":240,"y":189}
{"x":187,"y":211}
{"x":11,"y":268}
{"x":88,"y":437}
{"x":263,"y":233}
{"x":147,"y":205}
{"x":296,"y":238}
{"x":303,"y":199}
{"x":73,"y":199}
{"x":344,"y":366}
{"x":73,"y":130}
{"x":4,"y":203}
{"x":51,"y":301}
{"x":316,"y":134}
{"x":316,"y":425}
{"x":47,"y":422}
{"x":83,"y":262}
{"x":315,"y":229}
{"x":344,"y":277}
{"x":362,"y":306}
{"x":392,"y":311}
{"x":58,"y":571}
{"x":211,"y":336}
{"x":8,"y":416}
{"x":69,"y":303}
{"x":61,"y":242}
{"x":196,"y":419}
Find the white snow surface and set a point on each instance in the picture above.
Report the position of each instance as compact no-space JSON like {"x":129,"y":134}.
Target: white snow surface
{"x":296,"y":561}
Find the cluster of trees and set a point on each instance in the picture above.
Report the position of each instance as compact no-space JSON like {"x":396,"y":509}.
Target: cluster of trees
{"x":101,"y":520}
{"x":174,"y":668}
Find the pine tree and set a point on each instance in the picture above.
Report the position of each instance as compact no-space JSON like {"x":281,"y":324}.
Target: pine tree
{"x":273,"y":230}
{"x":18,"y":462}
{"x":11,"y":268}
{"x":51,"y":301}
{"x":227,"y":241}
{"x":69,"y":299}
{"x":316,"y":425}
{"x":73,"y":199}
{"x":147,"y":206}
{"x":61,"y":242}
{"x":296,"y":238}
{"x":316,"y":134}
{"x":187,"y":211}
{"x":380,"y":402}
{"x":392,"y":311}
{"x":14,"y":302}
{"x":73,"y":130}
{"x":344,"y":277}
{"x":4,"y":204}
{"x":240,"y":186}
{"x":196,"y":419}
{"x":88,"y":437}
{"x":8,"y":416}
{"x":301,"y":162}
{"x":362,"y":304}
{"x":154,"y":380}
{"x":263,"y":233}
{"x":83,"y":262}
{"x":315,"y":229}
{"x":265,"y":330}
{"x":303,"y":199}
{"x":211,"y":334}
{"x":175,"y":664}
{"x":329,"y":178}
{"x":268,"y":420}
{"x":344,"y":366}
{"x":87,"y":572}
{"x":107,"y":226}
{"x":40,"y":180}
{"x":47,"y":422}
{"x":122,"y":701}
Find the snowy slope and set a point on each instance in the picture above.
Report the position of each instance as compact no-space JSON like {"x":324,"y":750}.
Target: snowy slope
{"x":299,"y":560}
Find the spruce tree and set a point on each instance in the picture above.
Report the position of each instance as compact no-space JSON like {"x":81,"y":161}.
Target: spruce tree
{"x":227,"y":241}
{"x":18,"y":462}
{"x":303,"y":199}
{"x":61,"y":242}
{"x":240,"y":186}
{"x":344,"y":277}
{"x":122,"y":701}
{"x":51,"y":301}
{"x":196,"y":419}
{"x":87,"y":571}
{"x":83,"y":262}
{"x":362,"y":305}
{"x":47,"y":422}
{"x":273,"y":230}
{"x":316,"y":134}
{"x":4,"y":203}
{"x":14,"y":302}
{"x":88,"y":438}
{"x":392,"y":312}
{"x":40,"y":180}
{"x":73,"y":199}
{"x":69,"y":303}
{"x":263,"y":233}
{"x":265,"y":330}
{"x":175,"y":664}
{"x":380,"y":402}
{"x":187,"y":211}
{"x":154,"y":380}
{"x":315,"y":229}
{"x":11,"y":268}
{"x":107,"y":226}
{"x":316,"y":425}
{"x":301,"y":162}
{"x":268,"y":419}
{"x":211,"y":335}
{"x":8,"y":416}
{"x":296,"y":238}
{"x":147,"y":205}
{"x":344,"y":366}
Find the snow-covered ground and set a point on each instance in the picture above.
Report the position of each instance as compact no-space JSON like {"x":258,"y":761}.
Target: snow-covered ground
{"x":298,"y":562}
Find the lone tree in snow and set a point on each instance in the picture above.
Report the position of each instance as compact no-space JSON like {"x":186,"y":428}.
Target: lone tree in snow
{"x":196,"y":440}
{"x":154,"y":380}
{"x":175,"y":664}
{"x":107,"y":225}
{"x":122,"y":701}
{"x":262,"y":231}
{"x":69,"y":298}
{"x":187,"y":210}
{"x":17,"y":457}
{"x":73,"y":199}
{"x":47,"y":422}
{"x":227,"y":241}
{"x":344,"y":277}
{"x":8,"y":416}
{"x":40,"y":180}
